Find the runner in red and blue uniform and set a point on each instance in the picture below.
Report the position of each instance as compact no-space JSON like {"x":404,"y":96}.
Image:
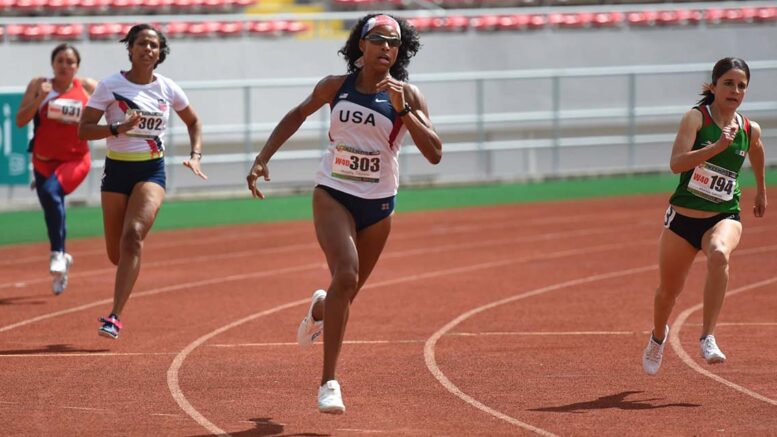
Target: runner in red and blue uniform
{"x":60,"y":159}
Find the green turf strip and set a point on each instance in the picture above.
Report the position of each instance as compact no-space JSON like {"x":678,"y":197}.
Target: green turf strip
{"x":28,"y":226}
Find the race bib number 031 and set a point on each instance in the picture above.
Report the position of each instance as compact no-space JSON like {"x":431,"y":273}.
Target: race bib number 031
{"x":356,"y":165}
{"x":151,"y":125}
{"x":713,"y":183}
{"x":66,"y":111}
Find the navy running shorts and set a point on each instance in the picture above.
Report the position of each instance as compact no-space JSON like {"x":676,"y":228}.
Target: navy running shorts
{"x":121,"y":176}
{"x":365,"y":212}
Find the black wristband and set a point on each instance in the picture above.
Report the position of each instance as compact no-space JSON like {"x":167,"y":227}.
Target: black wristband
{"x":114,"y":128}
{"x":406,"y":110}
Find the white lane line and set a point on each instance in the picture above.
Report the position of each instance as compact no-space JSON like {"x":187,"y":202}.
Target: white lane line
{"x":155,"y":291}
{"x":83,"y":408}
{"x":301,"y":247}
{"x":674,"y":340}
{"x":172,"y":372}
{"x":561,"y":333}
{"x":84,"y":354}
{"x":277,"y":344}
{"x":719,"y":324}
{"x":429,"y":348}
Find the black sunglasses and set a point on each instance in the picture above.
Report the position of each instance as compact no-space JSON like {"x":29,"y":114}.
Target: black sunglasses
{"x":377,"y":38}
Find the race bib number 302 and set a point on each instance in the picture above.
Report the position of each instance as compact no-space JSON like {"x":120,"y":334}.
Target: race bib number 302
{"x":151,"y":125}
{"x":65,"y":110}
{"x":713,"y":183}
{"x":357,"y":165}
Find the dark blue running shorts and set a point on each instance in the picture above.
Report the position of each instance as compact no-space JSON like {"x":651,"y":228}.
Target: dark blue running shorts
{"x":365,"y":212}
{"x":121,"y":176}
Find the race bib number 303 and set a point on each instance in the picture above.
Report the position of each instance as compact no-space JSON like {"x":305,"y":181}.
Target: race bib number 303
{"x":151,"y":125}
{"x":713,"y":183}
{"x":65,"y":110}
{"x":357,"y":165}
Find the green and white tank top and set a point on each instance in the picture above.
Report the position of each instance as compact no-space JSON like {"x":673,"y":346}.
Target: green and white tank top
{"x":714,"y":185}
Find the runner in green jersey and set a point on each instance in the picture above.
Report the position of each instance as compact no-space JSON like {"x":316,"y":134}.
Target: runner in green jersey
{"x":703,"y":214}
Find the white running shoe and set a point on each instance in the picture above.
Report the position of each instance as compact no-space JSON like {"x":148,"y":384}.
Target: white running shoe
{"x":309,"y":330}
{"x":330,"y":399}
{"x":654,"y":353}
{"x":59,"y":267}
{"x":710,"y":350}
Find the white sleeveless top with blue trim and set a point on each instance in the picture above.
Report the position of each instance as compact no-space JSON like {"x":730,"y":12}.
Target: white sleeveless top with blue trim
{"x":365,"y":134}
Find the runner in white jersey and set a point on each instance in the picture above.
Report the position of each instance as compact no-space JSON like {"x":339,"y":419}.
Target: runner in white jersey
{"x":136,"y":105}
{"x":356,"y":183}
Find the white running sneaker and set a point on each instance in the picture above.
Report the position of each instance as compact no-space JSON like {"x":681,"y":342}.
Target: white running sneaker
{"x":59,"y":267}
{"x":654,"y":353}
{"x":309,"y":330}
{"x":710,"y":350}
{"x":330,"y":399}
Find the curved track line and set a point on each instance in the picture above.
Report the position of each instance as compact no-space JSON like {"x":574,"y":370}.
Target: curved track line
{"x":674,"y":340}
{"x":431,"y":362}
{"x":155,"y":291}
{"x":172,"y":371}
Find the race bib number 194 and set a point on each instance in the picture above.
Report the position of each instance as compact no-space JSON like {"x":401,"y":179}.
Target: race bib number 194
{"x":357,"y":165}
{"x":713,"y":183}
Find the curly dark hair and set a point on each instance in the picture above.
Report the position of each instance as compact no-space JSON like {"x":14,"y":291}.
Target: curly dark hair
{"x":133,"y":33}
{"x":410,"y":45}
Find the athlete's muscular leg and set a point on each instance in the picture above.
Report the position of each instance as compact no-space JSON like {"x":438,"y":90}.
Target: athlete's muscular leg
{"x":718,"y":243}
{"x":114,"y":206}
{"x":675,"y":256}
{"x":142,"y":208}
{"x":336,"y":235}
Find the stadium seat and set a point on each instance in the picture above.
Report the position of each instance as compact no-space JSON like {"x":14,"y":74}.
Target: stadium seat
{"x":765,"y":15}
{"x":29,"y":7}
{"x":61,"y":7}
{"x":607,"y":19}
{"x":36,"y":32}
{"x":230,"y":29}
{"x":667,"y":18}
{"x":641,"y":18}
{"x":421,"y":24}
{"x":68,"y":32}
{"x":106,"y":31}
{"x":483,"y":23}
{"x":94,"y":6}
{"x":713,"y":15}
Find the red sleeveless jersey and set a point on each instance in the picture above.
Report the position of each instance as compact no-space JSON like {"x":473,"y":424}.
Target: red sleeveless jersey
{"x":54,"y":139}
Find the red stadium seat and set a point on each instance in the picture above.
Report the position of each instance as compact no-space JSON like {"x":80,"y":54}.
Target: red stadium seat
{"x":230,"y":29}
{"x":485,"y":23}
{"x":690,"y":16}
{"x":61,"y":7}
{"x":13,"y":31}
{"x":297,"y":27}
{"x":176,"y":29}
{"x":68,"y":32}
{"x":537,"y":21}
{"x":421,"y":24}
{"x":764,"y":15}
{"x":641,"y":18}
{"x":667,"y":18}
{"x":607,"y":19}
{"x":106,"y":31}
{"x":157,"y":6}
{"x":94,"y":6}
{"x":29,"y":7}
{"x":713,"y":15}
{"x":37,"y":32}
{"x":268,"y":28}
{"x":203,"y":29}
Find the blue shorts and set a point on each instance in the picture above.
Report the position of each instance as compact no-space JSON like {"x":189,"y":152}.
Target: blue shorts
{"x":365,"y":212}
{"x":121,"y":176}
{"x":692,"y":229}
